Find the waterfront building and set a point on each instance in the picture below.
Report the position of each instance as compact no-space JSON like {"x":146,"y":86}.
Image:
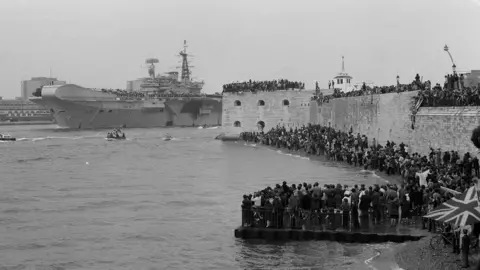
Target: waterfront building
{"x":343,"y":81}
{"x":19,"y":110}
{"x":30,"y":86}
{"x":135,"y":85}
{"x":471,"y":78}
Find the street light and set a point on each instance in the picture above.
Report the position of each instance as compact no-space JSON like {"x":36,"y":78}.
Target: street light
{"x":451,"y":58}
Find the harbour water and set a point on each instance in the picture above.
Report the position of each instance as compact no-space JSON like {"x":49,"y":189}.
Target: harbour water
{"x":72,"y":200}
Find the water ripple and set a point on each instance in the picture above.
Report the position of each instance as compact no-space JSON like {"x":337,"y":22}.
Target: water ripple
{"x":145,"y":203}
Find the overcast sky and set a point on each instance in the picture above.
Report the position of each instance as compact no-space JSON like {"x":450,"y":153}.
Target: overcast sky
{"x":103,"y":43}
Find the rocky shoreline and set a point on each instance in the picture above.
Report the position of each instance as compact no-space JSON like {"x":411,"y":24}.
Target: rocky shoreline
{"x":419,"y":255}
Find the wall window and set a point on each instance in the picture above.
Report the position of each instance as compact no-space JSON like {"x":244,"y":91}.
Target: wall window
{"x":237,"y":124}
{"x":237,"y":103}
{"x":286,"y":102}
{"x":261,"y":103}
{"x":260,"y":125}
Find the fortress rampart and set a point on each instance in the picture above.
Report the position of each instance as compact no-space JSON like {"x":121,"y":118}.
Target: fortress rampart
{"x":383,"y":117}
{"x":248,"y":111}
{"x":448,"y":128}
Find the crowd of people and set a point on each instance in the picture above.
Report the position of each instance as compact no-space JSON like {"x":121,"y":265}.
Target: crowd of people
{"x":453,"y":93}
{"x":415,"y":85}
{"x":252,"y":86}
{"x":128,"y":95}
{"x":446,"y":97}
{"x":428,"y":180}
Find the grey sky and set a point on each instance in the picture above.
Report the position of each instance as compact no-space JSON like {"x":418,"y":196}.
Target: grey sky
{"x":103,"y":43}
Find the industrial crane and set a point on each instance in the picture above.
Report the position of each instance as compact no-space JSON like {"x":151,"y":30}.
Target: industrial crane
{"x":451,"y":58}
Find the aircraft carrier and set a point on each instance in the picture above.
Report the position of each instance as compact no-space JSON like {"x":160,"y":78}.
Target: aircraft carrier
{"x":162,"y":100}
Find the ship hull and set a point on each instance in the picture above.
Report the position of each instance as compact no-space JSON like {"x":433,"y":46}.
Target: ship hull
{"x":83,"y":111}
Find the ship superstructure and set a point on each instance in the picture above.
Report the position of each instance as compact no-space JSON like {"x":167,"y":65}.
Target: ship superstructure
{"x":162,"y":100}
{"x":170,"y":83}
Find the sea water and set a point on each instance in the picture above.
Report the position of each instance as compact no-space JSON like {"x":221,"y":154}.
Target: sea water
{"x":70,"y":199}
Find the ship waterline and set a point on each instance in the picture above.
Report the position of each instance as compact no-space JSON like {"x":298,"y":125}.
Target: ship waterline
{"x":76,"y":107}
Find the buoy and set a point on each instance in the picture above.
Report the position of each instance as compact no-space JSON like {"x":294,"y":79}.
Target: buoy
{"x":86,"y":162}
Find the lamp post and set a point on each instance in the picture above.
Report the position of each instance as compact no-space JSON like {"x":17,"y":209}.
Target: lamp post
{"x":451,"y":58}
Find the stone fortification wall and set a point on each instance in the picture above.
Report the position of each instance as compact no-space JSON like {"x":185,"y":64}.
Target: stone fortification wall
{"x":448,"y":128}
{"x":383,"y":117}
{"x":244,"y":111}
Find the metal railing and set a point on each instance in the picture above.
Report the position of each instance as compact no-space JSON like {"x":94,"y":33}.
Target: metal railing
{"x":296,"y":219}
{"x":321,"y":219}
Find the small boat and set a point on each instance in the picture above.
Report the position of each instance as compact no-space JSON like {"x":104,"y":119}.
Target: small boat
{"x":167,"y":137}
{"x":115,"y":135}
{"x":6,"y":137}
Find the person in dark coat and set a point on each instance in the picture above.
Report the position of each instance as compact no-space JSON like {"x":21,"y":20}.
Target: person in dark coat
{"x":364,"y":205}
{"x":376,"y":205}
{"x":465,"y":248}
{"x":355,"y":201}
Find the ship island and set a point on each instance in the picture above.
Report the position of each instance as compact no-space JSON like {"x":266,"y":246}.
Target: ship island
{"x":162,"y":100}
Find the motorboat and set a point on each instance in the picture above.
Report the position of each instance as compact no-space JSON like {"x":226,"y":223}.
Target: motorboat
{"x":168,"y":137}
{"x":7,"y":137}
{"x":115,"y":135}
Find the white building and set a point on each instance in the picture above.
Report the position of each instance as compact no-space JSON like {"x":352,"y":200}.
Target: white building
{"x":30,"y":86}
{"x":471,"y":77}
{"x":134,"y":85}
{"x":343,"y":81}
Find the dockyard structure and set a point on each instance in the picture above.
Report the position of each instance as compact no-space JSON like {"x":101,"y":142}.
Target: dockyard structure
{"x":471,"y":78}
{"x":19,"y":110}
{"x":135,"y":85}
{"x":262,"y":110}
{"x":30,"y":86}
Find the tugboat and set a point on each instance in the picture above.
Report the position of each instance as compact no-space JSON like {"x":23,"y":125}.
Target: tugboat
{"x":6,"y":137}
{"x":116,"y":134}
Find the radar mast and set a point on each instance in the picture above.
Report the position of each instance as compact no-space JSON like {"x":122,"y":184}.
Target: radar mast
{"x":185,"y":67}
{"x":151,"y":67}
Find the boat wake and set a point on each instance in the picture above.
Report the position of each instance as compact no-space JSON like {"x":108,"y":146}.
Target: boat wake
{"x":36,"y":139}
{"x":251,"y":145}
{"x":291,"y":155}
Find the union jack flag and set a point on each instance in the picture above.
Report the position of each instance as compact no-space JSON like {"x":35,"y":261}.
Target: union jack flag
{"x":461,"y":210}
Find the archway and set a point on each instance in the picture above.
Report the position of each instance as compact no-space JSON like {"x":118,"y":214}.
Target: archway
{"x":260,"y":125}
{"x":237,"y":124}
{"x":261,"y":103}
{"x":286,"y":102}
{"x":237,"y":103}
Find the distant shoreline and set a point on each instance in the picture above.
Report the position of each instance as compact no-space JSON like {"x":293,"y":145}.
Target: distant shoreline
{"x":26,"y":123}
